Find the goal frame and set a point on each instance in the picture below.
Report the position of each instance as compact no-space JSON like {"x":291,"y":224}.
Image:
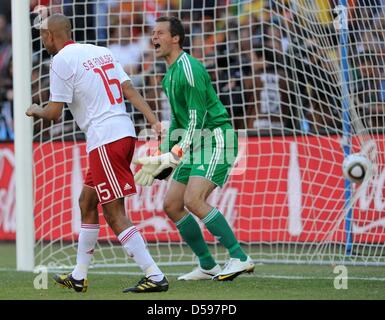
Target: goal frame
{"x":22,"y":69}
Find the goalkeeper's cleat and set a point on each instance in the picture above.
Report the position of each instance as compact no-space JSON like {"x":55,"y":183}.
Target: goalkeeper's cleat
{"x":233,"y":268}
{"x":201,"y":274}
{"x":67,"y":281}
{"x":147,"y":285}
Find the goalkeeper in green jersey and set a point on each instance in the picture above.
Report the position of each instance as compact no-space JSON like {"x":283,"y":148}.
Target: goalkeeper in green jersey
{"x":199,"y":150}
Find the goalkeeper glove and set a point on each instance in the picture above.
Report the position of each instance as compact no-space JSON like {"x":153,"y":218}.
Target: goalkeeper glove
{"x":168,"y":162}
{"x":144,"y":176}
{"x":155,"y":167}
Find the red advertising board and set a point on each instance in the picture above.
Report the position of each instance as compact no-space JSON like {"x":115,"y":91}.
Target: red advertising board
{"x":282,"y":190}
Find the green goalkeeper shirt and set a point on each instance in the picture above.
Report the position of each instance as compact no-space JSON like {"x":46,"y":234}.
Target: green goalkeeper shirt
{"x":194,"y":102}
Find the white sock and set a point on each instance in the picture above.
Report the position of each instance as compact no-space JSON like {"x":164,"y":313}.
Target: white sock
{"x":86,"y":244}
{"x":133,"y":242}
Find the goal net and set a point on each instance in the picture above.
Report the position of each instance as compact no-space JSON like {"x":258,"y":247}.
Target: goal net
{"x":303,"y":82}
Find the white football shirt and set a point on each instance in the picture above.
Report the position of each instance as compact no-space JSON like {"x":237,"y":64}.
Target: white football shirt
{"x":88,"y":79}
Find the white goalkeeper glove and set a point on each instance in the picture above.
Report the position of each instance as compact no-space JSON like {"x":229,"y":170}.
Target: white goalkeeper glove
{"x":167,"y":163}
{"x":144,"y":176}
{"x":156,"y":167}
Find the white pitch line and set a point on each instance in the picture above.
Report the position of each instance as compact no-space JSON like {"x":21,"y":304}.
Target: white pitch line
{"x":255,"y":275}
{"x":272,"y":276}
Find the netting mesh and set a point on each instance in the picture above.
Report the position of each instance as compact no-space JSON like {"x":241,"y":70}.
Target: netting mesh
{"x":277,"y":67}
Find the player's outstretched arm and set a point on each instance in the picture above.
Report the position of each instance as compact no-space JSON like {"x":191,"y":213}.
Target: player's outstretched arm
{"x":52,"y":111}
{"x":131,"y":94}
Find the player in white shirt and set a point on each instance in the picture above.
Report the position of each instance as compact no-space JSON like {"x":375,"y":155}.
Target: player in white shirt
{"x":92,"y":83}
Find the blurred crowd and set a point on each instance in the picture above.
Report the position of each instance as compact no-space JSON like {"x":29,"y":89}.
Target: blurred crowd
{"x":6,"y":91}
{"x":276,"y":64}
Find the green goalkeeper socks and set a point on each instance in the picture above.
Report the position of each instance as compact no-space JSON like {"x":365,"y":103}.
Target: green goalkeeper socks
{"x":218,"y":226}
{"x":192,"y":234}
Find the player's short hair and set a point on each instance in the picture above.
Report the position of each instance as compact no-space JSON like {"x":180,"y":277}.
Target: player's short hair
{"x":176,"y":27}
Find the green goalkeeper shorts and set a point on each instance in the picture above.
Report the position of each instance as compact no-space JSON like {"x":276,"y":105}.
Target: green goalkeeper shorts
{"x":212,"y":159}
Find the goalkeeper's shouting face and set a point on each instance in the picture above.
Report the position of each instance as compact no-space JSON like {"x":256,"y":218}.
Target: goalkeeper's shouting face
{"x":167,"y":38}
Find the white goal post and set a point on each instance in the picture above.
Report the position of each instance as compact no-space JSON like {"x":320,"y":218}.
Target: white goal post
{"x":21,"y":54}
{"x":304,"y":85}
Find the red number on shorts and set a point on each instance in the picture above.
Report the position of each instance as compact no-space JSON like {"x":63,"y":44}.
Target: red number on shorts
{"x":109,"y":82}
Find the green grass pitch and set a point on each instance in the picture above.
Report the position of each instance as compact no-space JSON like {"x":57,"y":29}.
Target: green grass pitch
{"x":272,"y":282}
